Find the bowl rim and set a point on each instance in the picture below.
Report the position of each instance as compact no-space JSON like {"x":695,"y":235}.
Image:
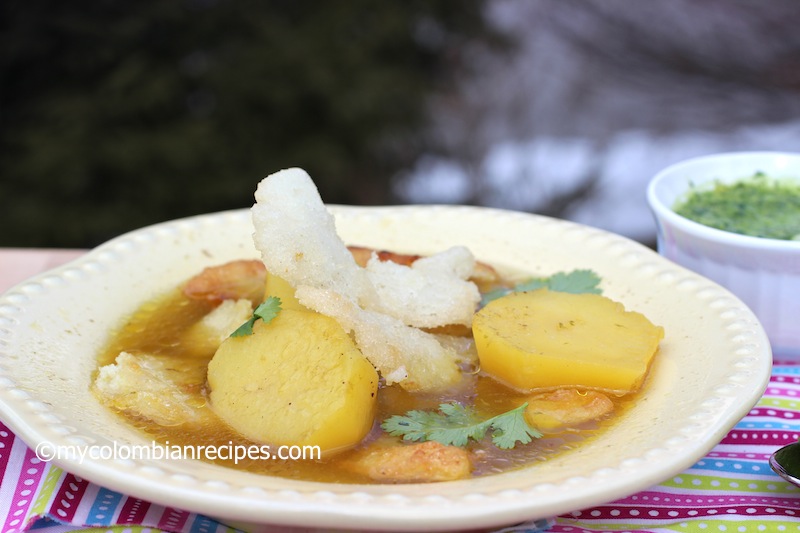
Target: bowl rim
{"x":664,"y":213}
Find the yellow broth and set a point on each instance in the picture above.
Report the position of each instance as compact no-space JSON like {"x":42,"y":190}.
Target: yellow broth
{"x":157,"y":329}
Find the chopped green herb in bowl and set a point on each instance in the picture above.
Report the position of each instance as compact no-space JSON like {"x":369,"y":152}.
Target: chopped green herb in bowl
{"x":758,"y":206}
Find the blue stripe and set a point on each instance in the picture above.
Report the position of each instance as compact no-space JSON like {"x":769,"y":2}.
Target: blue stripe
{"x":775,"y":425}
{"x":779,"y":370}
{"x":738,"y":466}
{"x":203,"y":524}
{"x":102,"y":511}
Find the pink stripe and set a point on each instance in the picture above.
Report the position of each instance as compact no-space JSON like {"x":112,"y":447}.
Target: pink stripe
{"x":756,"y":437}
{"x":31,"y":471}
{"x":782,"y":392}
{"x":677,"y":513}
{"x":6,"y":442}
{"x":773,"y":413}
{"x":133,"y":511}
{"x":741,"y":455}
{"x":68,"y":497}
{"x":173,"y":519}
{"x":785,"y":379}
{"x":570,"y":528}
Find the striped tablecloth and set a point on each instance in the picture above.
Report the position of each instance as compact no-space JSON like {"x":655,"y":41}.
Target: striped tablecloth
{"x":732,"y":489}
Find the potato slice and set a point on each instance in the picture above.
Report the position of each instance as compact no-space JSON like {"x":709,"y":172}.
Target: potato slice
{"x":549,"y":339}
{"x":299,"y":380}
{"x":280,"y":288}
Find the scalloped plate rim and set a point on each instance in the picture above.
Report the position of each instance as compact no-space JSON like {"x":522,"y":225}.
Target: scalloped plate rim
{"x":381,"y":507}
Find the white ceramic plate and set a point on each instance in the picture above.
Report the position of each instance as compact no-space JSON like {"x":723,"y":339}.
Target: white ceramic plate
{"x":713,"y":366}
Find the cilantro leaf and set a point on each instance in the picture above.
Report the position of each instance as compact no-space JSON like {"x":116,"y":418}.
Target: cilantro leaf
{"x":454,"y":425}
{"x":421,"y":426}
{"x":494,"y":295}
{"x":511,"y":427}
{"x":266,"y":311}
{"x":575,"y":282}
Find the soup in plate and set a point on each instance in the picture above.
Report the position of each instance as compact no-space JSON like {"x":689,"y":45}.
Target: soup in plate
{"x":346,"y":364}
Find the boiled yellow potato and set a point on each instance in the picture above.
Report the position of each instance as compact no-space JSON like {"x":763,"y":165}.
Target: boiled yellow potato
{"x":298,"y":380}
{"x":549,"y":339}
{"x":280,"y":288}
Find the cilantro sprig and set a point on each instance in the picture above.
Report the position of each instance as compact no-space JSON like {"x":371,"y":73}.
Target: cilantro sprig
{"x":266,"y":311}
{"x":454,"y":425}
{"x":576,"y":282}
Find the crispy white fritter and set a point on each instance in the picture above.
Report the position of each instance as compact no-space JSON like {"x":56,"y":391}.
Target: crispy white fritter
{"x":384,"y":304}
{"x":150,"y":387}
{"x":204,"y":337}
{"x":433,"y":291}
{"x":402,"y":354}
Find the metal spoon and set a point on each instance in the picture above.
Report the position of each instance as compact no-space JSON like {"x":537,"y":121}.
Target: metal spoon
{"x":786,"y":463}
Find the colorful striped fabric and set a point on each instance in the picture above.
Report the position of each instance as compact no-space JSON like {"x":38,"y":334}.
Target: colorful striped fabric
{"x":732,"y":489}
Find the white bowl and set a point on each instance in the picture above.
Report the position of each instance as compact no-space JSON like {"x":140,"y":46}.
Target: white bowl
{"x":713,"y":366}
{"x":764,"y":273}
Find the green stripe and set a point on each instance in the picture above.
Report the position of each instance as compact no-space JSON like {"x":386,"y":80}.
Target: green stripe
{"x":783,"y":403}
{"x":729,"y":524}
{"x":46,"y":490}
{"x":689,"y":481}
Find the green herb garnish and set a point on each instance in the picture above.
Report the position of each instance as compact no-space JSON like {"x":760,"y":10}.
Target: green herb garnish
{"x":575,"y":282}
{"x":758,"y":206}
{"x":268,"y":310}
{"x":454,"y":425}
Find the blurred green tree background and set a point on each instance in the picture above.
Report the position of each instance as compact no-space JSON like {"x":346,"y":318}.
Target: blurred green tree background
{"x":115,"y":115}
